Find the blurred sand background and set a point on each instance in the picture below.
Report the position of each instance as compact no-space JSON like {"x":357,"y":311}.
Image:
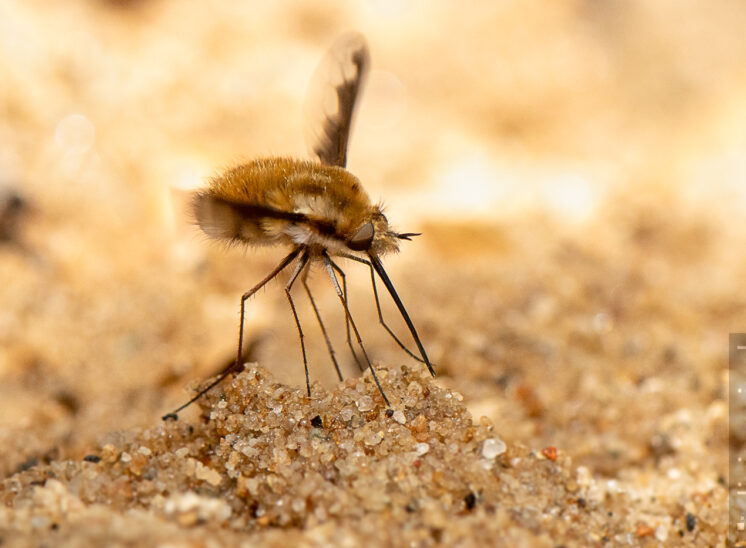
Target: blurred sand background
{"x":576,"y":168}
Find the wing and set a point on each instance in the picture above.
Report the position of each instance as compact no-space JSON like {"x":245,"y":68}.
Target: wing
{"x":330,"y":103}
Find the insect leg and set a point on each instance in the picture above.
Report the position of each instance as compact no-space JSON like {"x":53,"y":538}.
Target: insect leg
{"x":174,"y":415}
{"x":302,"y":263}
{"x":347,"y":320}
{"x":378,"y":306}
{"x":321,"y":325}
{"x":330,"y":270}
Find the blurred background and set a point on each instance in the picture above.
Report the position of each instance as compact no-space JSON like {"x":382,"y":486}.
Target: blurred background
{"x":576,"y":168}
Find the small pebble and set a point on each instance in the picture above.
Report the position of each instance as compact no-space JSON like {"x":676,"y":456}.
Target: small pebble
{"x":493,"y":447}
{"x":691,"y":522}
{"x":365,"y":403}
{"x":470,"y":501}
{"x":40,"y":522}
{"x":346,"y":414}
{"x":421,"y":449}
{"x":399,"y":417}
{"x":373,"y":438}
{"x":207,"y":474}
{"x":550,"y":453}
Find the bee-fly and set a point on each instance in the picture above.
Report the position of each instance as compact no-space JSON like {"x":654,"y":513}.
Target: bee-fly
{"x":318,"y":208}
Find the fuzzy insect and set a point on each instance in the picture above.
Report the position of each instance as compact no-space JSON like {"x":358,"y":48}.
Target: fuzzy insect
{"x":317,"y":208}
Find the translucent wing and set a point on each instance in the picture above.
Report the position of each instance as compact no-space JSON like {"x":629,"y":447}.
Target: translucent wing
{"x":330,"y":104}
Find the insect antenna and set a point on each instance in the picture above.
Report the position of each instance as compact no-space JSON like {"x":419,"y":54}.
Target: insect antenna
{"x":331,"y":266}
{"x":378,"y":266}
{"x":174,"y":415}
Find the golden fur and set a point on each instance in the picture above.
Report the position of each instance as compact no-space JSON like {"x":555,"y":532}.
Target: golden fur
{"x":298,"y":202}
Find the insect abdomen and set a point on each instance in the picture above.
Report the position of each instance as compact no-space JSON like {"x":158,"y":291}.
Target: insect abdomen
{"x":224,"y":220}
{"x":269,"y":200}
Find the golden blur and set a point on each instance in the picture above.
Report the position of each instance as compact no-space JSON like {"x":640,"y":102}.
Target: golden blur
{"x":576,"y":167}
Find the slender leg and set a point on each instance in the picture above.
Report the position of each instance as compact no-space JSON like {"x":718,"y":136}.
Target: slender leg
{"x":279,"y":268}
{"x":378,"y":305}
{"x":321,"y":325}
{"x":347,"y":320}
{"x":302,"y":263}
{"x":330,"y":270}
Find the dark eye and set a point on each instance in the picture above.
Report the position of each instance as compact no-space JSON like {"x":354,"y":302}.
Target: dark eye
{"x":362,"y":238}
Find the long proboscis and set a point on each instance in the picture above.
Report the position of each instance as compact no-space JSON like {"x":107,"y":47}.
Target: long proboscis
{"x":378,"y":266}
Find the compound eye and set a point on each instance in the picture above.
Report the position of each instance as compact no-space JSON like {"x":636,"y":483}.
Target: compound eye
{"x":362,"y":238}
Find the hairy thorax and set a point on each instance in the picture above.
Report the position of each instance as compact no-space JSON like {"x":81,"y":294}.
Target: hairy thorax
{"x":297,"y":202}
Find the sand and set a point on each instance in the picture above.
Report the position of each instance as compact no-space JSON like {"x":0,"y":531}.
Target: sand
{"x":578,"y":274}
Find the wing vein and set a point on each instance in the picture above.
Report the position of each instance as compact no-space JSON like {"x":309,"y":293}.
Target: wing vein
{"x":350,"y":57}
